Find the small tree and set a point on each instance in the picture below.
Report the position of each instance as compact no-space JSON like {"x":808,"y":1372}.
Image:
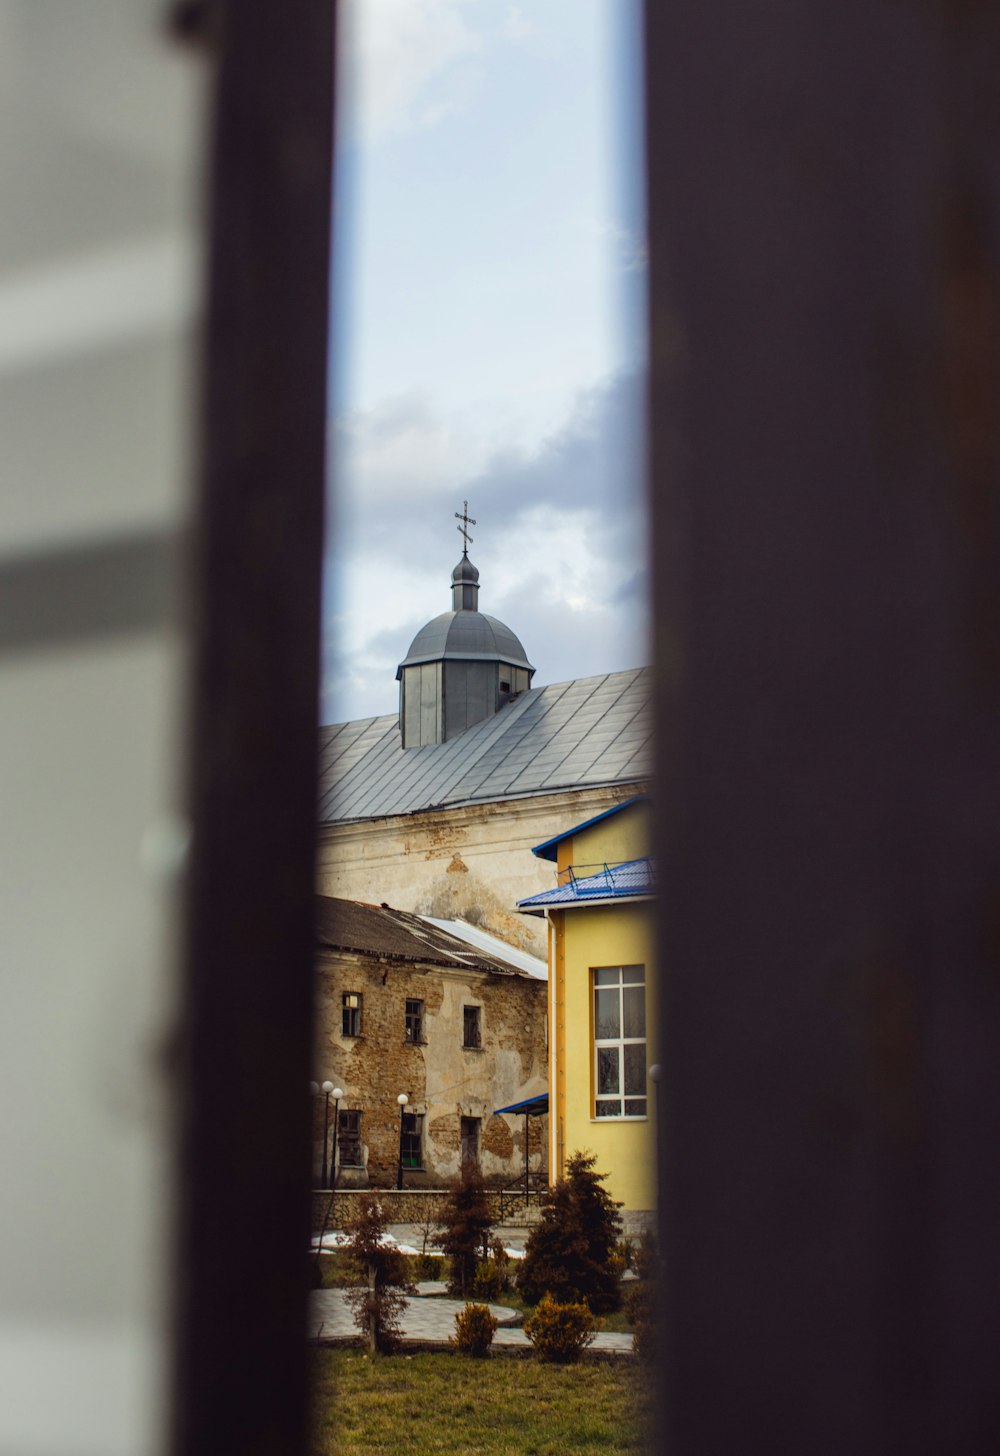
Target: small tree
{"x":569,"y":1253}
{"x":466,"y":1221}
{"x":378,"y":1301}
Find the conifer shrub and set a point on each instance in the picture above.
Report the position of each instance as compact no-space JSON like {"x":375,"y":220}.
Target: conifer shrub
{"x":475,"y":1327}
{"x":466,"y":1220}
{"x":377,"y":1297}
{"x":428,"y":1266}
{"x":560,"y":1332}
{"x":493,"y":1273}
{"x":570,"y":1253}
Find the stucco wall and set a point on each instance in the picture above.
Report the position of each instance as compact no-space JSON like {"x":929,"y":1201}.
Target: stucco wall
{"x":625,"y":1150}
{"x":444,"y":1080}
{"x":472,"y":863}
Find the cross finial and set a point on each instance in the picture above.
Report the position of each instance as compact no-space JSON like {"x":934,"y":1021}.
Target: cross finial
{"x":463,"y":529}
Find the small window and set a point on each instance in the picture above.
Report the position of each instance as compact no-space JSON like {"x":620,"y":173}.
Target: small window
{"x":470,"y":1142}
{"x":349,"y":1139}
{"x":505,"y":687}
{"x":351,"y":1023}
{"x":472,"y":1036}
{"x":415,"y":1021}
{"x":412,"y":1140}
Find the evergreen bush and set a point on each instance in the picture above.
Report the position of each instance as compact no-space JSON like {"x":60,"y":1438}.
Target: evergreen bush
{"x":570,"y":1253}
{"x":377,"y":1299}
{"x":560,"y":1332}
{"x":466,"y":1221}
{"x":475,"y":1327}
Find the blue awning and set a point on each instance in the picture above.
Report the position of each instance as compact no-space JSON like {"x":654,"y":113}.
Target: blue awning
{"x":531,"y":1107}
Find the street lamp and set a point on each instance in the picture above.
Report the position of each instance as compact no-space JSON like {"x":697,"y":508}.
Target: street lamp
{"x":327,"y":1088}
{"x":402,"y":1099}
{"x":338,"y":1092}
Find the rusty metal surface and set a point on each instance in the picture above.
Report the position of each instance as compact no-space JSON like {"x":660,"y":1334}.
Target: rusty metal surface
{"x":239,"y":1369}
{"x":823,"y":203}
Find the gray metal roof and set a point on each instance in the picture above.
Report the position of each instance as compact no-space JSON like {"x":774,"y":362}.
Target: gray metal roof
{"x":588,"y":732}
{"x":465,"y":634}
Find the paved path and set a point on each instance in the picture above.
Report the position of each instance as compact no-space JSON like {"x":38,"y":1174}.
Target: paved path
{"x":430,"y":1321}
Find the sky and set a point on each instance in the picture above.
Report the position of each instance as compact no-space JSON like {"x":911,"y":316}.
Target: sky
{"x":488,"y":339}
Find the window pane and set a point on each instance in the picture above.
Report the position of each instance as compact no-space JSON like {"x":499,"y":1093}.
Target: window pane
{"x":608,"y":976}
{"x":607,"y":1022}
{"x":635,"y":1069}
{"x":635,"y":1107}
{"x":607,"y":1069}
{"x":609,"y":1109}
{"x":634,"y":998}
{"x":634,"y":975}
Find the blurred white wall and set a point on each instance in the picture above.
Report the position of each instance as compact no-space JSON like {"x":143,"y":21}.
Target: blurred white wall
{"x":100,"y":139}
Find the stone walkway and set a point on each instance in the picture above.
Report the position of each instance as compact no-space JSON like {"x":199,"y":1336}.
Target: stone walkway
{"x":429,"y":1320}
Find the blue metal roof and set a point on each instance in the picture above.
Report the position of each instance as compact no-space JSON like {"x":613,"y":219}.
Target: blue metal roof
{"x":550,"y":849}
{"x":627,"y":881}
{"x":531,"y":1106}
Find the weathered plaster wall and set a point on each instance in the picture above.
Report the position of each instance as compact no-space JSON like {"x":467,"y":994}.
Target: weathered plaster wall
{"x":444,"y":1080}
{"x":472,"y":863}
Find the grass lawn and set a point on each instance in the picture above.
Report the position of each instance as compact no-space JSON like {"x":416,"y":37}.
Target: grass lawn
{"x":454,"y":1406}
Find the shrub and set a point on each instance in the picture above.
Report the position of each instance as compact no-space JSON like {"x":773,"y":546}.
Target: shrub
{"x":492,"y":1274}
{"x":466,"y":1221}
{"x":490,"y":1281}
{"x":569,"y":1253}
{"x":475,"y":1327}
{"x":377,"y":1302}
{"x":560,"y":1332}
{"x":428,"y":1266}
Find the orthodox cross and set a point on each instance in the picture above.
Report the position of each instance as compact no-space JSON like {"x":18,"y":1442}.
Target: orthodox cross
{"x":463,"y":529}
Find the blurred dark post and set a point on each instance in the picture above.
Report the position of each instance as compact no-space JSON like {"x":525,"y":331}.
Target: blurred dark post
{"x":240,"y":1364}
{"x":824,"y":183}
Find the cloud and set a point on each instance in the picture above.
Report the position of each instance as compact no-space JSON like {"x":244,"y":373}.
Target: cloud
{"x":405,"y":63}
{"x":560,"y":541}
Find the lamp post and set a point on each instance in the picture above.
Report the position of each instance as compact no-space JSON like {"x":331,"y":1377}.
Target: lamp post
{"x":402,"y":1099}
{"x":327,"y":1088}
{"x":338,"y":1092}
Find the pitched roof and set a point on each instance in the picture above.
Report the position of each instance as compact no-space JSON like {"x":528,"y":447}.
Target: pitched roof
{"x":550,"y":849}
{"x":397,"y":935}
{"x":588,"y":732}
{"x":472,"y":935}
{"x":630,"y":880}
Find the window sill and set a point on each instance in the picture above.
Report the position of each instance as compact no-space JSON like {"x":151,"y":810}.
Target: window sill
{"x":642,"y":1117}
{"x":471,"y":1048}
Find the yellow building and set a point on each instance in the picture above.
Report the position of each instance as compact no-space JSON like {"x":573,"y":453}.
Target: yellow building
{"x":602,"y":990}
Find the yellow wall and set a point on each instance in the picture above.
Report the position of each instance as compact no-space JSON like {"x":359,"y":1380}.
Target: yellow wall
{"x":584,"y":938}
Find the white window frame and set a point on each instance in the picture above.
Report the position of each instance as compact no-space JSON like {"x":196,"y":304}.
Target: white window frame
{"x":619,"y":1042}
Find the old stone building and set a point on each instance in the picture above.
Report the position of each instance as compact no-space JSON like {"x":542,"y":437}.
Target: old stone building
{"x":407,"y":1008}
{"x":435,"y":809}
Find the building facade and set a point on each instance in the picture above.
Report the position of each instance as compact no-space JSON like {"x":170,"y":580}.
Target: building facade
{"x":434,"y":809}
{"x":602,"y":1001}
{"x":406,"y":1008}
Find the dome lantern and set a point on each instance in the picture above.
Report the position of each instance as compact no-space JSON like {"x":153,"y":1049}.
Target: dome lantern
{"x":462,"y":667}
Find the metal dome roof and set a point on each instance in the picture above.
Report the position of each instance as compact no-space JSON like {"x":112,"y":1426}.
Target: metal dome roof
{"x":462,"y":636}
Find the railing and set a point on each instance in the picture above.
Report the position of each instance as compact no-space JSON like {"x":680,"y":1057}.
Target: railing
{"x":521,"y":1192}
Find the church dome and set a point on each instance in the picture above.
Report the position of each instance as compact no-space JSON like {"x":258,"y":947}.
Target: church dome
{"x":465,"y":635}
{"x":462,"y":666}
{"x":464,"y":571}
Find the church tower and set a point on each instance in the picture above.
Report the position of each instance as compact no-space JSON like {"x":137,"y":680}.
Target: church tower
{"x":461,"y":667}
